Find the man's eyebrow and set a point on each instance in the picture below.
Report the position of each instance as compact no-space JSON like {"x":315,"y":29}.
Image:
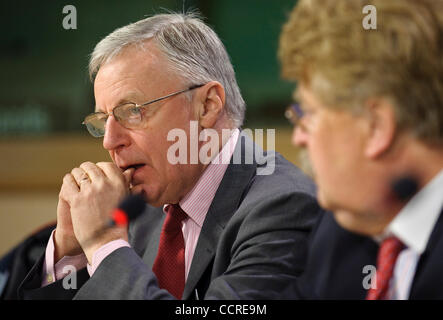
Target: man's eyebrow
{"x":130,"y":97}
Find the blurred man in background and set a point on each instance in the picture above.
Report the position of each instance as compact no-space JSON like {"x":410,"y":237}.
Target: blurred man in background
{"x":371,"y":120}
{"x":214,"y":229}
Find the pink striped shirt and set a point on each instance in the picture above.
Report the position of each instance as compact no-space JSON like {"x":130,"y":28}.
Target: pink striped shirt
{"x":196,"y":205}
{"x":197,"y":202}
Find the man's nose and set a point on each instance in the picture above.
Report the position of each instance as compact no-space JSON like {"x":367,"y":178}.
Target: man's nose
{"x":115,"y":134}
{"x":299,"y":137}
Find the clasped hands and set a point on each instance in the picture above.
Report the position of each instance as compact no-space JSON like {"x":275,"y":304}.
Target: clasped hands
{"x":87,"y":198}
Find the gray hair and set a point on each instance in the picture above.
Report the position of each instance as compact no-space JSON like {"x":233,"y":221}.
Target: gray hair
{"x":193,"y":49}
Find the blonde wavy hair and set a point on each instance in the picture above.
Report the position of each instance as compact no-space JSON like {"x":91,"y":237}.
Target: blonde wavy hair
{"x":402,"y":59}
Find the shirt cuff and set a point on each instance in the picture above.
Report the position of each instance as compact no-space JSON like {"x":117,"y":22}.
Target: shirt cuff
{"x":103,"y":252}
{"x":62,"y":268}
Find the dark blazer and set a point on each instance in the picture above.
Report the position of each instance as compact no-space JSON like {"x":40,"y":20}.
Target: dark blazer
{"x":15,"y":265}
{"x":253,"y":243}
{"x":337,"y":258}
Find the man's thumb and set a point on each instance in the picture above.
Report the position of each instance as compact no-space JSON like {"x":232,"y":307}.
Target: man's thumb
{"x":127,"y":174}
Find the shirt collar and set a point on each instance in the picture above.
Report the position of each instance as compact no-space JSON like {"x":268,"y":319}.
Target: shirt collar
{"x":415,"y":222}
{"x":196,"y":202}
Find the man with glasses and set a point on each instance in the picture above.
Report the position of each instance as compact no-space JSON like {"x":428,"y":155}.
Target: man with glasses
{"x":371,"y":120}
{"x":216,"y":230}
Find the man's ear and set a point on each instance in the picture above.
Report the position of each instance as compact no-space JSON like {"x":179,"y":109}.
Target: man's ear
{"x":211,"y":101}
{"x":382,"y":127}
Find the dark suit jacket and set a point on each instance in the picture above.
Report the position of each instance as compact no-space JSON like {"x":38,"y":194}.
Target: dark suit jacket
{"x":253,"y":243}
{"x":337,"y":258}
{"x":15,"y":265}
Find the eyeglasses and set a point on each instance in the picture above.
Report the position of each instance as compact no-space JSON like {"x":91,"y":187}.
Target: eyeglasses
{"x":294,"y":114}
{"x":129,"y":115}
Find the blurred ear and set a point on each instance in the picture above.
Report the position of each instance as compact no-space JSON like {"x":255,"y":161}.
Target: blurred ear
{"x":211,"y":101}
{"x":382,"y":127}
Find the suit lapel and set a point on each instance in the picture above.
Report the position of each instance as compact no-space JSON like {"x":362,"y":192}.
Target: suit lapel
{"x":144,"y":234}
{"x":227,"y":198}
{"x":152,"y":247}
{"x":429,"y":265}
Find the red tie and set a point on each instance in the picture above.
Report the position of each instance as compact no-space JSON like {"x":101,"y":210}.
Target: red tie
{"x":387,"y":255}
{"x":169,"y":265}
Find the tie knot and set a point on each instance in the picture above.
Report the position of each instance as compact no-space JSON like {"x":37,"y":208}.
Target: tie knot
{"x":175,"y":215}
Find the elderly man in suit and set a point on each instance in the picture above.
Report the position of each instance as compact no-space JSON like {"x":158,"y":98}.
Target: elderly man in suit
{"x":220,"y":227}
{"x":370,"y":87}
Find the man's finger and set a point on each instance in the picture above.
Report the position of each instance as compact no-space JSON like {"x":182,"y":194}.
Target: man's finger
{"x":80,"y":176}
{"x":127,"y":174}
{"x":111,"y":170}
{"x":93,"y":171}
{"x":69,"y":187}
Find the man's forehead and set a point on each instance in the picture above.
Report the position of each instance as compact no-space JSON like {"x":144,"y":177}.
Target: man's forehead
{"x":125,"y":67}
{"x":133,"y":60}
{"x":296,"y":94}
{"x":307,"y":98}
{"x":302,"y":94}
{"x":124,"y":79}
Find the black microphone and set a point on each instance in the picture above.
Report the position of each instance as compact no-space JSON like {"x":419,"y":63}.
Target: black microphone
{"x":404,"y":187}
{"x":129,"y":209}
